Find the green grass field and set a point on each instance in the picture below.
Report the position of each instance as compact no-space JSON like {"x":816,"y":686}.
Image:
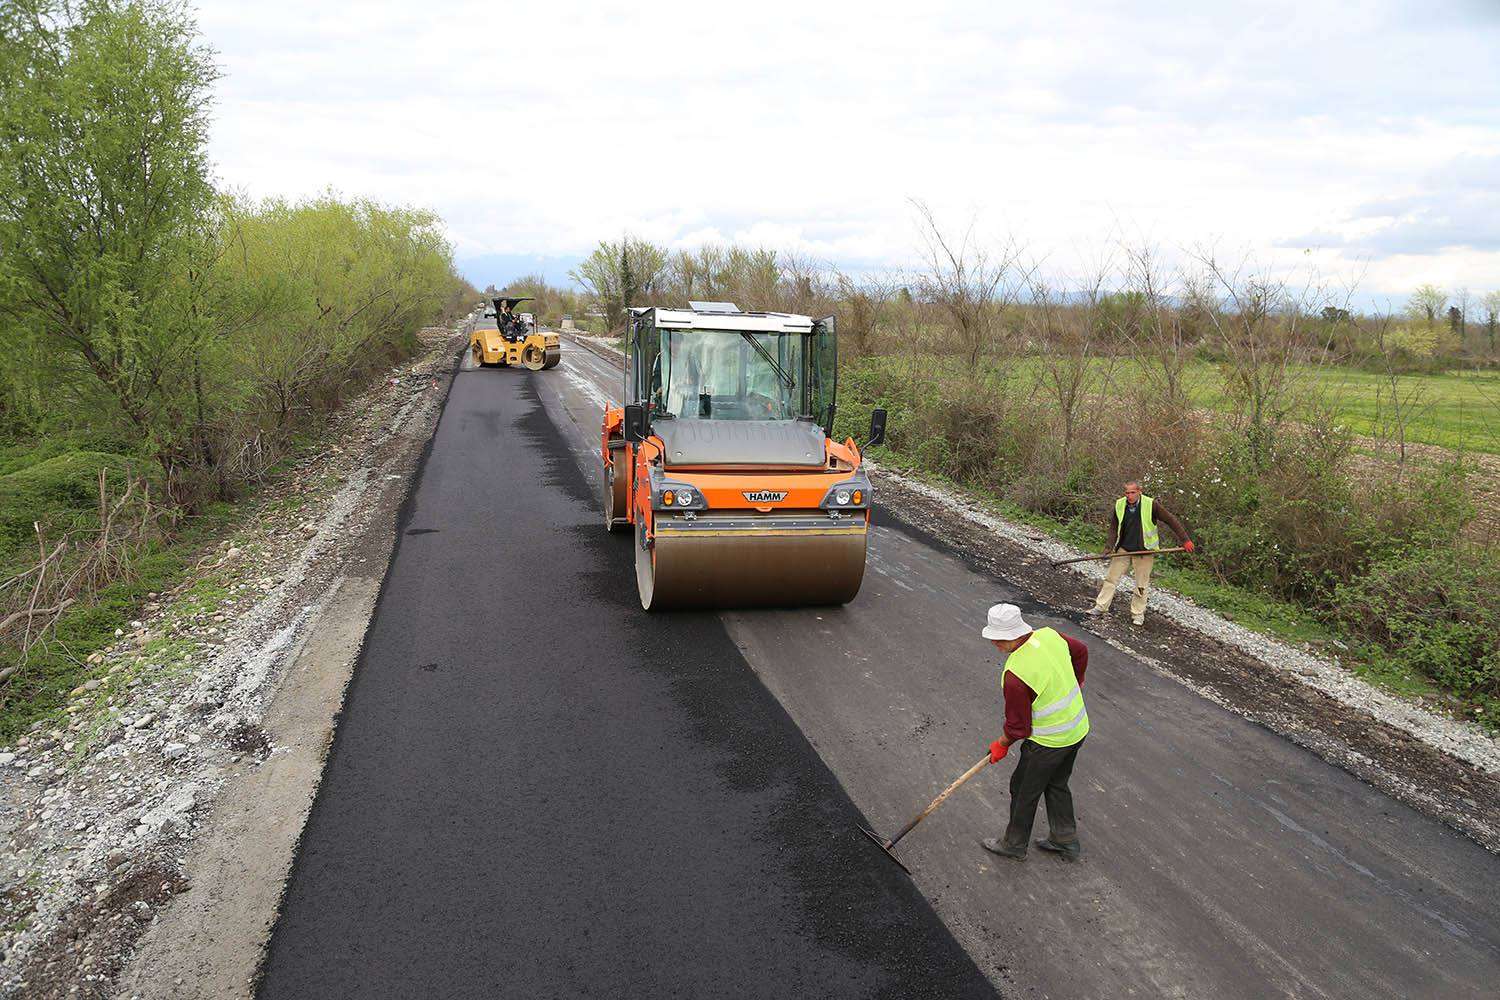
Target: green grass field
{"x":1452,"y":410}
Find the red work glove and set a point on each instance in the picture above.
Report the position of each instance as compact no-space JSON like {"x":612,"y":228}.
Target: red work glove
{"x":1189,"y":545}
{"x":998,"y":751}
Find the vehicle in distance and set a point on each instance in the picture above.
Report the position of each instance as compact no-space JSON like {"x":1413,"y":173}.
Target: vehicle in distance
{"x":510,"y":339}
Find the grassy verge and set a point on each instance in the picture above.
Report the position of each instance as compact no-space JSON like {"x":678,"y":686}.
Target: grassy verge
{"x":1297,"y":542}
{"x":42,"y":685}
{"x":40,"y":689}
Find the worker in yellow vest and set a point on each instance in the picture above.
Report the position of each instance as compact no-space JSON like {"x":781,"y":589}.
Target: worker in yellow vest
{"x":1134,"y":529}
{"x":1042,"y":681}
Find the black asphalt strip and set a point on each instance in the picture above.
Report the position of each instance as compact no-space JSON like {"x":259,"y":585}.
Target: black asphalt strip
{"x":539,"y":790}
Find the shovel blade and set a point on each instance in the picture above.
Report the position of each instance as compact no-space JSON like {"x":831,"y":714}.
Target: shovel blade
{"x":886,"y":846}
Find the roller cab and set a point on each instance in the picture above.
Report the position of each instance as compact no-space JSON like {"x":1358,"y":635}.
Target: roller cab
{"x":720,"y":465}
{"x":510,"y":338}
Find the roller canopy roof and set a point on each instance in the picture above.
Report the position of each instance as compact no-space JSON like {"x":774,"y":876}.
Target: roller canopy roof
{"x":693,"y":319}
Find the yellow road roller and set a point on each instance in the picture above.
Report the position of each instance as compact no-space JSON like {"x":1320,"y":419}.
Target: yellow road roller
{"x":513,"y":339}
{"x":722,"y":466}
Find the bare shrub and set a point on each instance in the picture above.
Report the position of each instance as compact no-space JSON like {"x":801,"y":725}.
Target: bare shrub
{"x":1260,"y":323}
{"x":864,"y":304}
{"x":78,"y":562}
{"x":969,"y":283}
{"x":1073,"y":365}
{"x":1399,"y":400}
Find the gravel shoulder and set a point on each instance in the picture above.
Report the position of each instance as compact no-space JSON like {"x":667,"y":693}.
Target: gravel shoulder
{"x":146,"y":841}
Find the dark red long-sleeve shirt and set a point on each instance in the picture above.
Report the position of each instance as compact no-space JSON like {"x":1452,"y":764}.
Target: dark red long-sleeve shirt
{"x":1019,"y":696}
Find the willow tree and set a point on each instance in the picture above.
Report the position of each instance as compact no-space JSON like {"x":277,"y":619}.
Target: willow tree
{"x":107,"y":210}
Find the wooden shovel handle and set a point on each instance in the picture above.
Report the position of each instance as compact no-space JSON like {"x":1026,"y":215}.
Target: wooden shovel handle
{"x":978,"y":766}
{"x":1111,"y":555}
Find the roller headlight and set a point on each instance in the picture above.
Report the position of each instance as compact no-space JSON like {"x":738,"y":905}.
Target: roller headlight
{"x":852,"y":494}
{"x":667,"y":494}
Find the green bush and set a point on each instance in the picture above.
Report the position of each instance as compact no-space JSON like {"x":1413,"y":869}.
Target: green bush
{"x":61,"y":492}
{"x":1435,"y":611}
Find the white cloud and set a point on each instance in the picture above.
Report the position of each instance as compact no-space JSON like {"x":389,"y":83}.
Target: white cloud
{"x":537,"y":129}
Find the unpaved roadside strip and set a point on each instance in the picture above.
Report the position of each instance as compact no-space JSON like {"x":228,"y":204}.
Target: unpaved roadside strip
{"x":211,"y":941}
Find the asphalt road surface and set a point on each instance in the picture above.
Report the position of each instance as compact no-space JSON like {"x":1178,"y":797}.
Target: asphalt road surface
{"x":537,"y":789}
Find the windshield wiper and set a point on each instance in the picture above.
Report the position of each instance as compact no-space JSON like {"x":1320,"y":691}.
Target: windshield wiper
{"x":785,"y":378}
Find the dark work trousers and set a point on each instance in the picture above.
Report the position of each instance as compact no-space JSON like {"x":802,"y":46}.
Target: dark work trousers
{"x":1042,"y":771}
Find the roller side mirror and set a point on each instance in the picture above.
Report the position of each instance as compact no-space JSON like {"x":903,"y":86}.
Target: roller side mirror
{"x":636,"y":426}
{"x":877,"y":429}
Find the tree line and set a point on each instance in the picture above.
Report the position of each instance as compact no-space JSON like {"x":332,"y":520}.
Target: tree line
{"x":137,"y":299}
{"x":987,"y":298}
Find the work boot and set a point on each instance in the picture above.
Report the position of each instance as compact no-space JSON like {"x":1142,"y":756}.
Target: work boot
{"x":996,"y":846}
{"x":1137,"y":619}
{"x":1094,"y":611}
{"x":1068,"y":852}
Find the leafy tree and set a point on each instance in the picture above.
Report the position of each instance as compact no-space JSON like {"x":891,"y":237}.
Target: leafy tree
{"x":134,"y":299}
{"x":620,"y":275}
{"x":322,"y":291}
{"x":1427,"y":303}
{"x":106,"y":208}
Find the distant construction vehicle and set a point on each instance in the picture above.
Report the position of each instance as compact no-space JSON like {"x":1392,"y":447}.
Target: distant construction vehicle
{"x":514,"y":339}
{"x":721,"y":461}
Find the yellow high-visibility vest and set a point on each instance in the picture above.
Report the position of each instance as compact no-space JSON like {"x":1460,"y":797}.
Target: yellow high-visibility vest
{"x":1150,"y":537}
{"x":1058,"y":716}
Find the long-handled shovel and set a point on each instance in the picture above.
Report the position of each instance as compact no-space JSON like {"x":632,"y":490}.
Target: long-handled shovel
{"x":1111,"y":555}
{"x":888,"y":845}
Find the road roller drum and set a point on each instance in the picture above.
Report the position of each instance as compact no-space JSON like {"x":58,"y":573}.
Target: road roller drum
{"x":754,"y":563}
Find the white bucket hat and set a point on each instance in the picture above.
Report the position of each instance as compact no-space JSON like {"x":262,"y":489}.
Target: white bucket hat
{"x":1005,"y":622}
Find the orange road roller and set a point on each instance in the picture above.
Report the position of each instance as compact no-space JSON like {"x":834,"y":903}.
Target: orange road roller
{"x":514,"y":339}
{"x":722,"y":464}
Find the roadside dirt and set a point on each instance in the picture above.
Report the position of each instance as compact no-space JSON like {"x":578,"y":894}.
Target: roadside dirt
{"x":110,"y":821}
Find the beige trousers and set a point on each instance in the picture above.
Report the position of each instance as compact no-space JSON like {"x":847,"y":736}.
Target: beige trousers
{"x":1140,"y":570}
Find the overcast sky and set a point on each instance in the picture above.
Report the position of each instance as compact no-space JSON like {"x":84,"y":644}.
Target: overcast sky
{"x":1357,"y":139}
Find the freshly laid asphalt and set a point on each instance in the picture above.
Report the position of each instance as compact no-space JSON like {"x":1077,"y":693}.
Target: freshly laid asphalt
{"x":538,"y":790}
